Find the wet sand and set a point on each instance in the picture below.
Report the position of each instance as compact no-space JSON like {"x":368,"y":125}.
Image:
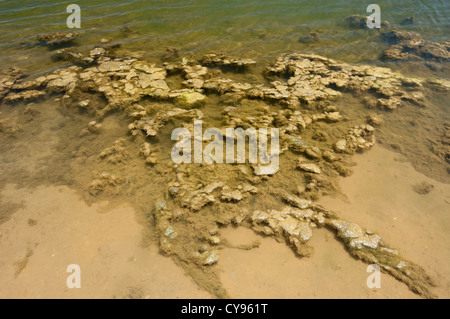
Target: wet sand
{"x":60,"y":229}
{"x":106,"y":243}
{"x":380,"y":196}
{"x":416,"y":224}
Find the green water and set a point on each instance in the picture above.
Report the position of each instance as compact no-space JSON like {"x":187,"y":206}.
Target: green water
{"x":258,"y":29}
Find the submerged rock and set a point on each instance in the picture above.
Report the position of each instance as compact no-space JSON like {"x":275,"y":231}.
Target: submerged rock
{"x":311,"y":37}
{"x":57,"y":38}
{"x":224,"y":60}
{"x":191,"y":99}
{"x":407,"y":21}
{"x":408,"y":45}
{"x":360,"y":22}
{"x":23,"y":96}
{"x":423,"y":188}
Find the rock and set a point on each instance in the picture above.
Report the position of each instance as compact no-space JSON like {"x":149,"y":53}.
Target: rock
{"x":214,"y":240}
{"x":423,"y":188}
{"x":358,"y":138}
{"x":170,"y":54}
{"x":191,"y":99}
{"x":57,"y":38}
{"x":116,"y":153}
{"x":210,"y":257}
{"x":31,"y":111}
{"x":23,"y":96}
{"x":329,"y":156}
{"x":313,"y":152}
{"x":410,"y":46}
{"x":250,"y":189}
{"x":194,"y":83}
{"x":147,"y":80}
{"x":375,"y":120}
{"x":340,"y":146}
{"x":400,"y":36}
{"x":63,"y":81}
{"x":407,"y":21}
{"x":356,"y":21}
{"x":390,"y":104}
{"x":148,"y":153}
{"x":312,"y":37}
{"x":105,"y":40}
{"x":231,"y":196}
{"x":84,"y":104}
{"x":356,"y":237}
{"x":102,"y":182}
{"x":223,"y":60}
{"x":417,"y":98}
{"x":110,"y":66}
{"x":94,"y":127}
{"x":97,"y":52}
{"x":170,"y":232}
{"x":360,"y":22}
{"x":309,"y":167}
{"x":296,"y":144}
{"x":263,"y":170}
{"x":199,"y":201}
{"x":294,"y":200}
{"x":333,"y":117}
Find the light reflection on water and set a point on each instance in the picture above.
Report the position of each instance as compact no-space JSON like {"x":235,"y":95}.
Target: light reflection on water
{"x":260,"y":29}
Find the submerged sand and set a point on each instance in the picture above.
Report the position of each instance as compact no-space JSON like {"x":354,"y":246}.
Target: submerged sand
{"x":116,"y":262}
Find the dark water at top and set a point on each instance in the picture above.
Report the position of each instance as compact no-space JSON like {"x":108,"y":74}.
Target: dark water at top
{"x":259,"y":29}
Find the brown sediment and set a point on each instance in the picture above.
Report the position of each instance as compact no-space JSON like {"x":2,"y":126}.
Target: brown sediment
{"x":8,"y":209}
{"x":197,"y":200}
{"x":21,"y":264}
{"x":423,"y":188}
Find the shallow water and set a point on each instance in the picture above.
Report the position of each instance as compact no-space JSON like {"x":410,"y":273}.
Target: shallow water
{"x":45,"y":144}
{"x":257,"y":29}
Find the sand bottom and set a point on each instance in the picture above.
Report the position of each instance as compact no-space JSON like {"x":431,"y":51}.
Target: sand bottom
{"x":60,"y":229}
{"x":54,"y":228}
